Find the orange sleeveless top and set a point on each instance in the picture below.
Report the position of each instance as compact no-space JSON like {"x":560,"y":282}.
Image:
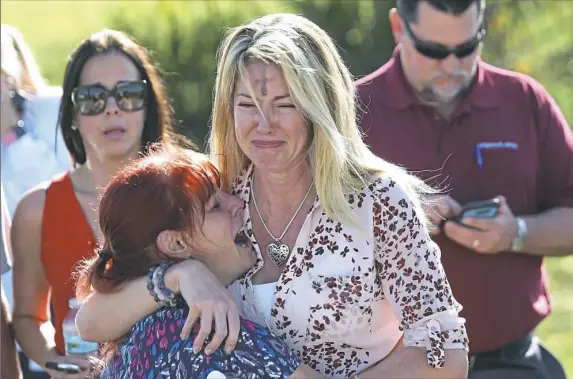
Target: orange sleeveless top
{"x":67,"y":238}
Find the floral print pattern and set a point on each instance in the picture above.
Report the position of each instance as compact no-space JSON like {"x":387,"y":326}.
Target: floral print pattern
{"x":154,"y":349}
{"x":349,"y":293}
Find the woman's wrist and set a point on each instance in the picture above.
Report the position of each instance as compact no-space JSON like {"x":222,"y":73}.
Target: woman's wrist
{"x":50,"y":355}
{"x":173,"y":273}
{"x":172,"y":279}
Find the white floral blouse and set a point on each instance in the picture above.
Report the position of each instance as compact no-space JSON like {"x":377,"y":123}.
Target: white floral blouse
{"x":348,"y":294}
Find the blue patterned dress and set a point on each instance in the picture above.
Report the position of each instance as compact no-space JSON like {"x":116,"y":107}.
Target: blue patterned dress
{"x":154,"y":349}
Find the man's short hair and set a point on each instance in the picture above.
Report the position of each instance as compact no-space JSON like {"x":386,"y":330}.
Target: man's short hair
{"x":408,"y":9}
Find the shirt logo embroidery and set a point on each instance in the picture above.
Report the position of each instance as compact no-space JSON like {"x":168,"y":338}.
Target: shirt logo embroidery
{"x":492,"y":146}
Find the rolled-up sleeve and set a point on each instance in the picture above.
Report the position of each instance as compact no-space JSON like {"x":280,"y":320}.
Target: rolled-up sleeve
{"x":412,"y":277}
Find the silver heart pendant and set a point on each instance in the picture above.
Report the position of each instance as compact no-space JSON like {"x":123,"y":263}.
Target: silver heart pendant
{"x":278,"y":252}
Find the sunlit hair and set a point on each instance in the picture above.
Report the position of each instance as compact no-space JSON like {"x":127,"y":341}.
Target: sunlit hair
{"x":322,"y":89}
{"x":18,"y":61}
{"x":165,"y":190}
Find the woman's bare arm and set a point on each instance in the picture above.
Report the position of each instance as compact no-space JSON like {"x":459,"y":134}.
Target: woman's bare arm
{"x":31,"y":318}
{"x":107,"y":317}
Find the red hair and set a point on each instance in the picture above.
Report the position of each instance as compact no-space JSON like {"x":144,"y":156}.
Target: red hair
{"x":167,"y":189}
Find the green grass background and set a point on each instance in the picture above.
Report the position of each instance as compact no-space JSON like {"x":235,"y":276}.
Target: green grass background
{"x":54,"y":28}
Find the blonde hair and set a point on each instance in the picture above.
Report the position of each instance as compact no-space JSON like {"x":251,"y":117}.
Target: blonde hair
{"x":323,"y":91}
{"x":18,"y":61}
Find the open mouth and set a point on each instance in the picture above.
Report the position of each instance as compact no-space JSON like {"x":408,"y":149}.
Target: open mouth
{"x":114,"y":131}
{"x":241,"y":239}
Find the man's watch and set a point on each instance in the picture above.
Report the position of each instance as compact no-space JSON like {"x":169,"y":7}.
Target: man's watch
{"x":519,"y":240}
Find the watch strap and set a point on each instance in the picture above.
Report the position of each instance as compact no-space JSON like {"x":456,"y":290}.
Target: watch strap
{"x":519,"y":240}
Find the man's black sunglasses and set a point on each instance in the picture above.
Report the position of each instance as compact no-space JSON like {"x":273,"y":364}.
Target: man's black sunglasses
{"x":438,"y":51}
{"x":91,"y":100}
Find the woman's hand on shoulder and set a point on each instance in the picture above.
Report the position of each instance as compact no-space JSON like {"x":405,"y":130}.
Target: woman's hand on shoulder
{"x":208,"y":301}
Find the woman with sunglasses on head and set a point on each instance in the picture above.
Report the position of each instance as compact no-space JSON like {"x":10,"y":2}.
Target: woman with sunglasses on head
{"x":163,"y":209}
{"x":113,"y":107}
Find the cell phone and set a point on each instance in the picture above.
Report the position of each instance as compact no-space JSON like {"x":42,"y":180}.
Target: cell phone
{"x":68,"y":368}
{"x":479,"y":209}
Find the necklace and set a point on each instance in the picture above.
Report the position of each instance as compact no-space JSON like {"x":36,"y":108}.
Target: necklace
{"x":277,"y":251}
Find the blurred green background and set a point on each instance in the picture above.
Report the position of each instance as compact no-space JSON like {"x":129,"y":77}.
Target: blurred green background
{"x":533,"y":37}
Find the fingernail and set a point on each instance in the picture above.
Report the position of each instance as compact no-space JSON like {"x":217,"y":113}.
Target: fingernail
{"x":183,"y":336}
{"x":196,"y":350}
{"x":228,"y":350}
{"x":208,"y":351}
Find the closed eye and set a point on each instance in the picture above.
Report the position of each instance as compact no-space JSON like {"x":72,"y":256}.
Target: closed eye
{"x":286,"y":106}
{"x":246,"y":105}
{"x":212,"y":204}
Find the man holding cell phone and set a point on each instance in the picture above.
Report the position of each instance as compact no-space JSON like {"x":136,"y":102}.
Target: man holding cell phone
{"x":487,"y":135}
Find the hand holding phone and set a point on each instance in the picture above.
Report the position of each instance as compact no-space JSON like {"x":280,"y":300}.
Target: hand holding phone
{"x":486,"y":209}
{"x":68,"y":368}
{"x":479,"y":209}
{"x":486,"y":227}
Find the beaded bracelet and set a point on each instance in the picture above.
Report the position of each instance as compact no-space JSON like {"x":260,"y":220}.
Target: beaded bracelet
{"x":156,"y":286}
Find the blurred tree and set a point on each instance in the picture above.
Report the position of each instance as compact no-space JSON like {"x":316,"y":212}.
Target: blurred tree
{"x":536,"y":38}
{"x":361,"y":30}
{"x":184,"y":35}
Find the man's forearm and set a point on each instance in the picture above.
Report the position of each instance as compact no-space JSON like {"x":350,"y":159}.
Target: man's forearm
{"x":549,"y":233}
{"x":410,"y":362}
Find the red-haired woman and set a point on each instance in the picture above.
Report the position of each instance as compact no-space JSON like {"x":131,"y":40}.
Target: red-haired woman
{"x":113,"y":106}
{"x":163,"y":209}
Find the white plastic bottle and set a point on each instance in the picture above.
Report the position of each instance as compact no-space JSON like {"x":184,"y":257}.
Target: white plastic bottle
{"x":72,"y":340}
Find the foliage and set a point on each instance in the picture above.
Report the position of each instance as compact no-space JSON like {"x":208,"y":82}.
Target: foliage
{"x":185,"y":37}
{"x":556,"y":331}
{"x":54,"y":28}
{"x":534,"y":37}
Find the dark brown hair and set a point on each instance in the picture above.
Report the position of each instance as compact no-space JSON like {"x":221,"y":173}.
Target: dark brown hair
{"x":159,"y":114}
{"x":165,"y":190}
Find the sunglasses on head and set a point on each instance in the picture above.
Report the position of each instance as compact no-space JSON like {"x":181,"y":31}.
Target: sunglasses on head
{"x":91,"y":100}
{"x":438,"y":51}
